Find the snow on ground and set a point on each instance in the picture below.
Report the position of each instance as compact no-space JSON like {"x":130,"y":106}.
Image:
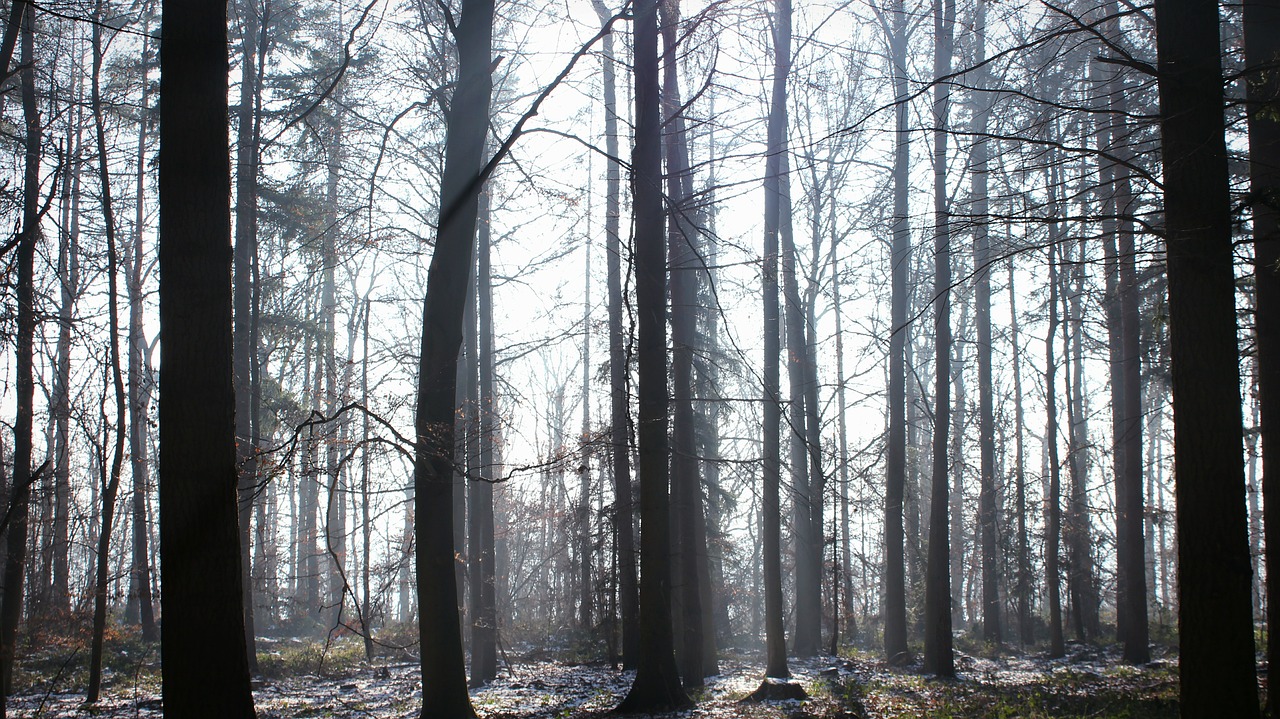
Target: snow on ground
{"x":1088,"y":681}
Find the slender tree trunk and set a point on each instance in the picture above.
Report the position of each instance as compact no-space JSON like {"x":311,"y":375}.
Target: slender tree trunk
{"x":657,"y":683}
{"x":1215,"y":628}
{"x":140,"y":392}
{"x":206,"y":671}
{"x":246,"y":229}
{"x":1053,"y":524}
{"x":775,"y":638}
{"x":444,"y":688}
{"x":895,"y":597}
{"x":69,"y":274}
{"x":112,"y":486}
{"x":484,"y":632}
{"x":938,"y":657}
{"x":1262,"y":49}
{"x":1022,"y":583}
{"x":682,"y":260}
{"x":618,"y":396}
{"x":22,"y":478}
{"x":987,"y":506}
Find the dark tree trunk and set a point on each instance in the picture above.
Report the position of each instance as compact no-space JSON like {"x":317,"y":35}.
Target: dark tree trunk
{"x":620,"y":452}
{"x":21,"y":479}
{"x":1262,"y":50}
{"x":657,"y":683}
{"x":1215,"y":630}
{"x":683,"y":262}
{"x":206,"y":672}
{"x":771,"y":511}
{"x":938,"y":656}
{"x":246,"y":248}
{"x":895,"y":596}
{"x":444,"y":686}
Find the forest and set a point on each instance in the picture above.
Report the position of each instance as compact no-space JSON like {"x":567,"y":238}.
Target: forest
{"x":718,"y":358}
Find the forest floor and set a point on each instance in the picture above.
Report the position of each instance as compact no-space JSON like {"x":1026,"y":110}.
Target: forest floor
{"x":1089,"y":682}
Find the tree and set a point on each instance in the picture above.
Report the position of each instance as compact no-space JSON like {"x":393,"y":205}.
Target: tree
{"x":22,"y":477}
{"x":991,"y":628}
{"x":1215,"y":631}
{"x":620,"y":451}
{"x":205,"y":670}
{"x":444,"y":681}
{"x":938,"y":657}
{"x":770,"y":530}
{"x":111,"y":483}
{"x":895,"y":592}
{"x":1262,"y":48}
{"x":657,"y":683}
{"x":246,"y":250}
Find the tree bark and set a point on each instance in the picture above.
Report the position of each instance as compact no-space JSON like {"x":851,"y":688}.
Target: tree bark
{"x":205,"y":669}
{"x":1215,"y":629}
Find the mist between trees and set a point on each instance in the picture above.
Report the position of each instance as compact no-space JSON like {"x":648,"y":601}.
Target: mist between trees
{"x":640,"y":334}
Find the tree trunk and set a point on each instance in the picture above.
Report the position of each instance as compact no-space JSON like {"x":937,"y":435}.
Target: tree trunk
{"x":1215,"y":629}
{"x":1022,"y":584}
{"x":484,"y":631}
{"x":1262,"y":48}
{"x":1053,"y":519}
{"x":657,"y":683}
{"x":206,"y":671}
{"x":682,"y":238}
{"x":895,"y":594}
{"x":771,"y":511}
{"x":22,"y":478}
{"x":618,"y":396}
{"x":111,"y":487}
{"x":938,"y":657}
{"x":987,"y":506}
{"x":246,"y":248}
{"x":444,"y":687}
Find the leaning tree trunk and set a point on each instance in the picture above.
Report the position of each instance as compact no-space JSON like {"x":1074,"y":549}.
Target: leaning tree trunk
{"x":1215,"y":629}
